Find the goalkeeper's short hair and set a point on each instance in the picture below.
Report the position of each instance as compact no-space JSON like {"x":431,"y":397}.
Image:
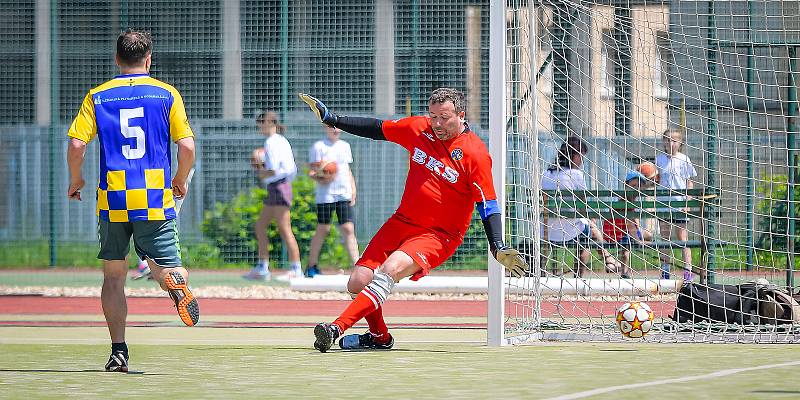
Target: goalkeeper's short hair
{"x":443,"y":95}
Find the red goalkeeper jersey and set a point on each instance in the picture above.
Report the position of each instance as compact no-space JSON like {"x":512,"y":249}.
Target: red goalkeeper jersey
{"x":445,"y":178}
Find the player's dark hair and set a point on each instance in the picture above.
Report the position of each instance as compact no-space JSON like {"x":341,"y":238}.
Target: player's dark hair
{"x":133,"y":47}
{"x":271,"y":116}
{"x":454,"y":96}
{"x":572,"y":146}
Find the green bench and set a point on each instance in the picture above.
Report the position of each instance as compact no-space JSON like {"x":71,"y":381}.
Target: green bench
{"x":648,"y":203}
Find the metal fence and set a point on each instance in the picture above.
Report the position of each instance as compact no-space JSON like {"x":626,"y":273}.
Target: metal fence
{"x":34,"y":207}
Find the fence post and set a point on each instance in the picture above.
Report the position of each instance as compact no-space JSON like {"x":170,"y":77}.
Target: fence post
{"x":792,"y":161}
{"x":55,"y":116}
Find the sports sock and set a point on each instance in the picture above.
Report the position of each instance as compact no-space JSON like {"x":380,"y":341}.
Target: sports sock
{"x":367,"y":301}
{"x":377,"y":326}
{"x":295,"y":266}
{"x":119,"y":347}
{"x":362,"y":305}
{"x":262,"y":266}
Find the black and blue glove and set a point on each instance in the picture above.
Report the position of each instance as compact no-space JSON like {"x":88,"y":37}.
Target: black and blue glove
{"x":325,"y":116}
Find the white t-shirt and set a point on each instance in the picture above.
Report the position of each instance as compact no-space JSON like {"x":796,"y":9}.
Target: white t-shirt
{"x":339,"y":189}
{"x":564,"y":229}
{"x":279,"y":158}
{"x":674,"y":172}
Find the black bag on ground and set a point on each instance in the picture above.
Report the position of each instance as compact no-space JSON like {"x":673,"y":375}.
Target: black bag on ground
{"x":747,"y":303}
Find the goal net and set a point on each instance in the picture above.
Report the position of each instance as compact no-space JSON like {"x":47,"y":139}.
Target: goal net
{"x":706,"y":91}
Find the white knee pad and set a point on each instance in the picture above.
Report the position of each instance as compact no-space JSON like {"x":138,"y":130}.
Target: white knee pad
{"x":381,"y":285}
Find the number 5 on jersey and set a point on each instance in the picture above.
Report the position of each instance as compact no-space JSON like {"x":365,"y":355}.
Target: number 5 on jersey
{"x":132,"y":132}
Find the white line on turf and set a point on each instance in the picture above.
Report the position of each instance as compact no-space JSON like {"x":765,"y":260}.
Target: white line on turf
{"x":717,"y":374}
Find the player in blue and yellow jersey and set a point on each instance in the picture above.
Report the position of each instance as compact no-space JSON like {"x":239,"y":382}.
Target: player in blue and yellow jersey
{"x":135,"y":117}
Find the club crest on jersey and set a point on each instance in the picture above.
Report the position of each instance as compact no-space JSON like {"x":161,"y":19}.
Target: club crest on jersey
{"x":434,"y":165}
{"x":457,"y":154}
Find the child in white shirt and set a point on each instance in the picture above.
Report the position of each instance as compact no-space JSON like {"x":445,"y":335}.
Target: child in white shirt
{"x":676,"y":172}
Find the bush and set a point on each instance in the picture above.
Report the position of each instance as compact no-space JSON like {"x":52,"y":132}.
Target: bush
{"x":201,"y":255}
{"x":229,"y":227}
{"x":775,"y":211}
{"x":773,"y":225}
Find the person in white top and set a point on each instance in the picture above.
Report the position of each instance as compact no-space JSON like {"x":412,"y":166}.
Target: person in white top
{"x":565,"y":174}
{"x":676,"y":171}
{"x":276,"y":168}
{"x":330,"y":161}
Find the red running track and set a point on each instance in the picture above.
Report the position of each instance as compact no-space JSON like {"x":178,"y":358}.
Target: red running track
{"x":399,"y":308}
{"x":163,"y":305}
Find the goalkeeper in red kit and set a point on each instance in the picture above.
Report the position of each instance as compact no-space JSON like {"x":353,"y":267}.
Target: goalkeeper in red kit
{"x":450,"y":172}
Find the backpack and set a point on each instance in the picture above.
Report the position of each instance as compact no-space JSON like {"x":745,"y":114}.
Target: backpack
{"x":747,"y":303}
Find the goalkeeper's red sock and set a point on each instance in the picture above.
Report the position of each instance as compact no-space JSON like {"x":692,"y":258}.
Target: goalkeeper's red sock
{"x":377,"y":326}
{"x":364,"y":304}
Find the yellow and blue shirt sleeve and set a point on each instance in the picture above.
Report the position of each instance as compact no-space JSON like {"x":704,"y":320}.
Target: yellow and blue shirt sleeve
{"x":84,"y":126}
{"x":178,"y":121}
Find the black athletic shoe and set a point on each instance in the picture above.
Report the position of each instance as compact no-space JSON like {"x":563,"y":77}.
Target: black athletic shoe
{"x":365,"y":341}
{"x":326,"y":334}
{"x":117,"y":362}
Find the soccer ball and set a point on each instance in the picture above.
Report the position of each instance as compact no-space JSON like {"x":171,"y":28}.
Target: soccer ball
{"x":258,"y":158}
{"x":648,"y":169}
{"x":634,"y":319}
{"x":328,"y":168}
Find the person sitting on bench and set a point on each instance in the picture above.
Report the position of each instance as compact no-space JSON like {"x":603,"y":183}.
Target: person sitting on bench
{"x":566,"y":174}
{"x":627,"y":231}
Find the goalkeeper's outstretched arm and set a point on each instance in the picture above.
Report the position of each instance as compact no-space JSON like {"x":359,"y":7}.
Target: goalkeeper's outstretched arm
{"x":493,"y":225}
{"x":371,"y":128}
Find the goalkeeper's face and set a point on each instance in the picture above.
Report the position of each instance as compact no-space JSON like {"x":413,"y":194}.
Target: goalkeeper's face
{"x":445,"y":121}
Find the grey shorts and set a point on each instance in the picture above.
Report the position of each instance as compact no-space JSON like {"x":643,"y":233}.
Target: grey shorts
{"x":157,"y":240}
{"x":279,"y":193}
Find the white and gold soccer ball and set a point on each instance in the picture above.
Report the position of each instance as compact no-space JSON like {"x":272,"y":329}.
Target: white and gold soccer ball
{"x":634,"y":319}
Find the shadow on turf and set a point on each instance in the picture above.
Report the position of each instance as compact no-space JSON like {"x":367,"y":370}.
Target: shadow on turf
{"x":77,"y":371}
{"x":215,"y":348}
{"x":337,"y":350}
{"x":776,"y":391}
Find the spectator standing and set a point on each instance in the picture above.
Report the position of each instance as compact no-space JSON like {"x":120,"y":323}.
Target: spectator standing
{"x":676,"y":172}
{"x":335,"y":193}
{"x":276,"y":168}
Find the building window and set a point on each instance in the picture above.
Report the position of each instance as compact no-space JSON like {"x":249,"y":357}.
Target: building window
{"x":661,"y":63}
{"x":608,"y":52}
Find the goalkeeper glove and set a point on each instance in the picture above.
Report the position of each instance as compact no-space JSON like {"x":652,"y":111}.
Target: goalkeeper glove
{"x":325,"y":116}
{"x":511,"y":259}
